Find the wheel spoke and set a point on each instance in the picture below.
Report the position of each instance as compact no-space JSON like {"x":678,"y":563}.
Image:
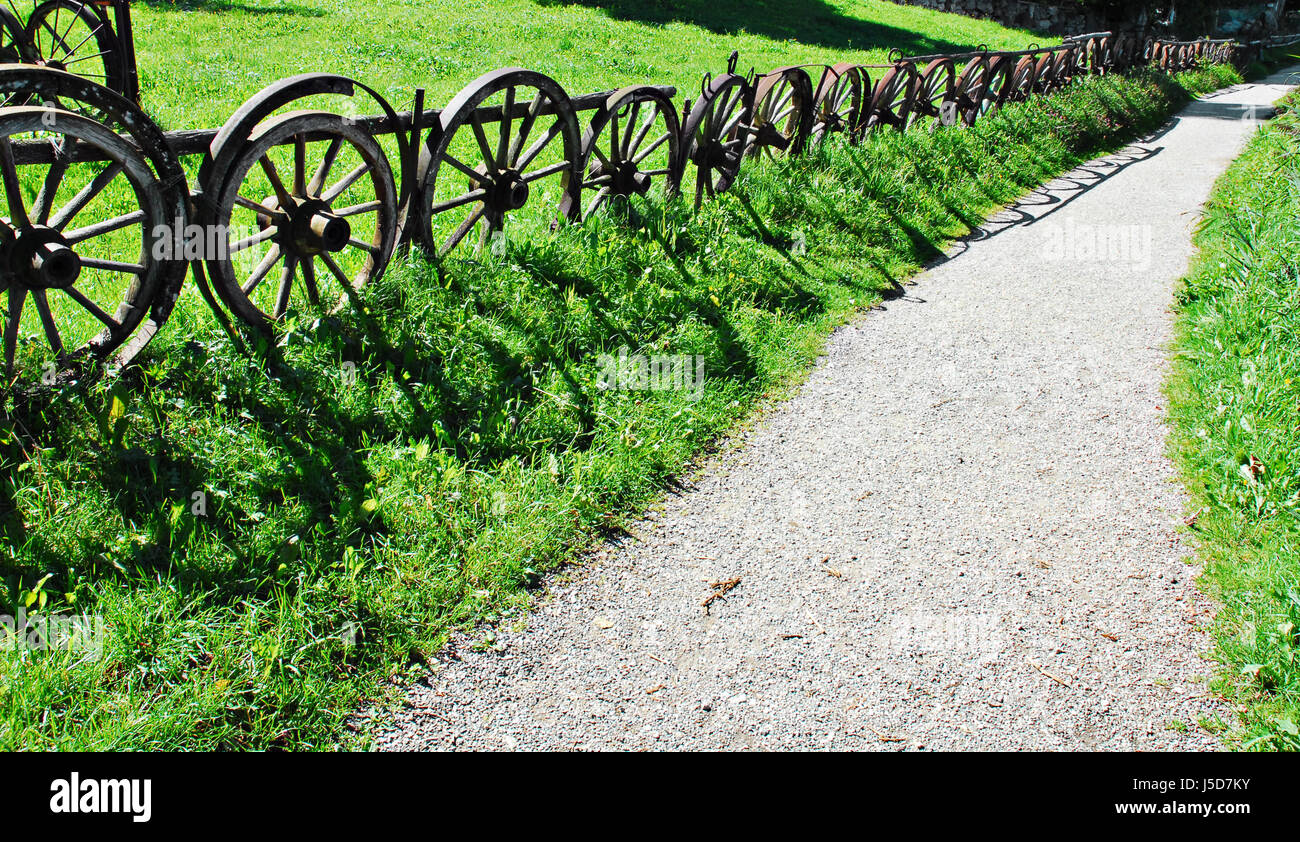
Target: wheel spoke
{"x":539,"y":145}
{"x":13,"y":188}
{"x":112,"y":266}
{"x":262,"y":270}
{"x":357,"y":210}
{"x":335,"y":270}
{"x":117,"y":223}
{"x":642,"y":132}
{"x":300,"y":165}
{"x":481,"y":136}
{"x":645,"y":153}
{"x":326,"y":164}
{"x":471,"y":196}
{"x":472,"y":174}
{"x":503,"y":141}
{"x":281,"y":194}
{"x":49,"y":189}
{"x":249,"y":242}
{"x":545,"y":171}
{"x":92,"y":308}
{"x":525,"y":128}
{"x":346,"y":182}
{"x":286,"y":287}
{"x":17,"y":295}
{"x":47,"y":321}
{"x":309,"y":282}
{"x":464,"y":228}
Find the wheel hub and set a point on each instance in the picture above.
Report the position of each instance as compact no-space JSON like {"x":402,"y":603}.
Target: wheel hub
{"x":628,"y":179}
{"x":40,"y":258}
{"x":508,"y":192}
{"x":311,"y":228}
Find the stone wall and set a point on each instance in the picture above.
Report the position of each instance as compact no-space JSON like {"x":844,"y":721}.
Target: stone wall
{"x":1037,"y":17}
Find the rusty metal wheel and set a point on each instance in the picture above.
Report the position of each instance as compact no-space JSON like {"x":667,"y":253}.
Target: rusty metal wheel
{"x":76,"y":36}
{"x":633,"y":142}
{"x":308,"y":202}
{"x":474,"y":176}
{"x":82,"y":250}
{"x":783,"y":113}
{"x":837,"y":105}
{"x":891,"y":99}
{"x":934,"y":90}
{"x":716,"y":133}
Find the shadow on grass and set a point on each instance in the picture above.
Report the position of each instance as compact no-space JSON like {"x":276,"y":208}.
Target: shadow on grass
{"x":812,"y":22}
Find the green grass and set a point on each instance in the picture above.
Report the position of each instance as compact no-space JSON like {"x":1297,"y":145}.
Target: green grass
{"x":1235,"y":407}
{"x":375,"y":482}
{"x":200,"y":60}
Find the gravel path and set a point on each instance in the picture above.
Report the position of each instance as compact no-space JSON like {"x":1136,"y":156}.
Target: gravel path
{"x":962,"y":533}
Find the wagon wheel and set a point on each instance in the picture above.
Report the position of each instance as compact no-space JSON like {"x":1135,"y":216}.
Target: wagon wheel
{"x":80,"y":267}
{"x":1044,"y":73}
{"x":471,"y":175}
{"x":1023,"y":76}
{"x":998,"y":86}
{"x":1102,"y":57}
{"x":153,"y":299}
{"x":837,"y":105}
{"x":891,"y":100}
{"x":933,"y":87}
{"x":634,"y":139}
{"x":15,"y":46}
{"x":1066,"y":64}
{"x":70,"y":35}
{"x":783,"y":113}
{"x":969,"y":89}
{"x":307,"y":215}
{"x":716,"y":132}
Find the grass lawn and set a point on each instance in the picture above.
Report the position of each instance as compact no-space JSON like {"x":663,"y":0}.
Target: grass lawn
{"x":200,"y":60}
{"x":373,"y":482}
{"x":1235,"y":404}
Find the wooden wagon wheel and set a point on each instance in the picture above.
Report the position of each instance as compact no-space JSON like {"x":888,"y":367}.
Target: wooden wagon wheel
{"x":634,"y":141}
{"x":837,"y":105}
{"x":1103,"y":56}
{"x":471,"y":175}
{"x":1044,"y":72}
{"x":1023,"y":78}
{"x":969,"y":89}
{"x":934,"y":87}
{"x":307,"y":214}
{"x":1066,"y":65}
{"x":716,"y":133}
{"x":70,"y":35}
{"x":783,"y":113}
{"x":79,"y":261}
{"x":21,"y":84}
{"x":997,"y":86}
{"x":891,"y":99}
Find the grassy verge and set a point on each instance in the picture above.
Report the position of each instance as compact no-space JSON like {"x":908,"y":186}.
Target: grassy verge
{"x":376,"y":482}
{"x":1235,"y":407}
